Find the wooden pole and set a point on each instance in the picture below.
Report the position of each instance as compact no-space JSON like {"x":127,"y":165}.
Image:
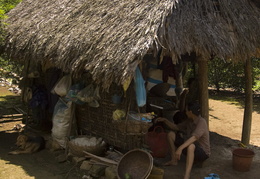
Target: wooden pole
{"x":203,"y":88}
{"x":248,"y":104}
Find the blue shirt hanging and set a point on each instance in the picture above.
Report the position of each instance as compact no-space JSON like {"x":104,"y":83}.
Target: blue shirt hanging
{"x":140,"y":88}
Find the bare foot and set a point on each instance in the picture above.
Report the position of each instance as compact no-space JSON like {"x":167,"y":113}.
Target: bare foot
{"x":172,"y":162}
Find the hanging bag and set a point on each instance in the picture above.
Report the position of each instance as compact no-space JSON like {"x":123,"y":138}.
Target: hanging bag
{"x":157,"y":141}
{"x":63,"y":86}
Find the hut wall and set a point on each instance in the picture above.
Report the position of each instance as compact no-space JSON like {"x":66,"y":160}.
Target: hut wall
{"x":125,"y":134}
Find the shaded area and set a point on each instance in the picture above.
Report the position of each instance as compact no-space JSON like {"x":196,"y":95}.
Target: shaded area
{"x":220,"y":162}
{"x":9,"y":101}
{"x":40,"y":165}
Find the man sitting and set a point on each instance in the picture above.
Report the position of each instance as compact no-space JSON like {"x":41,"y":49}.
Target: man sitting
{"x":196,"y":146}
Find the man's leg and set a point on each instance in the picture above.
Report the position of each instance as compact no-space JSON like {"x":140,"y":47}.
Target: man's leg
{"x":171,"y":139}
{"x":189,"y":160}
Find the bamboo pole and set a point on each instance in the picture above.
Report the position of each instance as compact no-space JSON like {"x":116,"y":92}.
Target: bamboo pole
{"x":11,"y":120}
{"x":203,"y":88}
{"x":248,"y":104}
{"x":11,"y":115}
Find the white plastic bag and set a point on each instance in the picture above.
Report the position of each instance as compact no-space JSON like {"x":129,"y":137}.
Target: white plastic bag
{"x":63,"y":86}
{"x":90,"y":94}
{"x":86,"y":94}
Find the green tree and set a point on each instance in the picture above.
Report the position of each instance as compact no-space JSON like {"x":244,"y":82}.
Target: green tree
{"x":5,"y":7}
{"x":218,"y":72}
{"x":7,"y":66}
{"x":225,"y":74}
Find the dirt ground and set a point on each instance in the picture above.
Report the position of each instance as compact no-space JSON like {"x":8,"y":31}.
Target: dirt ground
{"x":225,"y":125}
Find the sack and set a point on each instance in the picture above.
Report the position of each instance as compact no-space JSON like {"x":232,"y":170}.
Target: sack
{"x":61,"y":121}
{"x":63,"y":86}
{"x":157,"y":141}
{"x":94,"y":145}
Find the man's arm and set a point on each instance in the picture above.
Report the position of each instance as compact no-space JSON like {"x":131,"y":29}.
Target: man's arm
{"x":188,"y":142}
{"x":191,"y":140}
{"x":171,"y":125}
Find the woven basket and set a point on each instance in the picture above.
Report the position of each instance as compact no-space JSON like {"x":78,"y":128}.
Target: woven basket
{"x":132,"y":126}
{"x":136,"y":164}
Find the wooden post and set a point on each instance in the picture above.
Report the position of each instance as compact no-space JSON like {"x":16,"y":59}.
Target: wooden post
{"x":248,"y":104}
{"x":203,"y":88}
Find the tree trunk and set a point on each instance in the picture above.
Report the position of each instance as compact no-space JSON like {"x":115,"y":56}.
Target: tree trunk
{"x":248,"y":104}
{"x":203,"y":88}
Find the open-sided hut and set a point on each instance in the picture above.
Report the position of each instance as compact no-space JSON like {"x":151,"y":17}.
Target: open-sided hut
{"x":110,"y":38}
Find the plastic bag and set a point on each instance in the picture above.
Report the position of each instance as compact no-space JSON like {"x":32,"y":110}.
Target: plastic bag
{"x":73,"y":92}
{"x":86,"y":94}
{"x":118,"y":115}
{"x":63,"y":86}
{"x":140,"y":88}
{"x":90,"y":94}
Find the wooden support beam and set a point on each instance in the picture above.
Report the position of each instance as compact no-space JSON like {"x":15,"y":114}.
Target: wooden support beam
{"x":248,"y":104}
{"x":203,"y":88}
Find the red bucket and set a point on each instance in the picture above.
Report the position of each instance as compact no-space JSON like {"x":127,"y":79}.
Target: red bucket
{"x":157,"y":141}
{"x":242,"y":159}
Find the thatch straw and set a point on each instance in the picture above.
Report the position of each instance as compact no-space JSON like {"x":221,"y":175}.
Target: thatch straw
{"x":109,"y":38}
{"x":225,"y":28}
{"x":106,"y":37}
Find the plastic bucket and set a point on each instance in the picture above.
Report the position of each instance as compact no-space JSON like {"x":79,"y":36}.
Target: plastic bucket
{"x":242,"y":159}
{"x":156,"y":173}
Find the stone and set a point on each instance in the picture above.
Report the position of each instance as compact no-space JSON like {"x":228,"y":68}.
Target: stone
{"x":97,"y":171}
{"x":110,"y":172}
{"x":85,"y":165}
{"x":77,"y":160}
{"x":61,"y":158}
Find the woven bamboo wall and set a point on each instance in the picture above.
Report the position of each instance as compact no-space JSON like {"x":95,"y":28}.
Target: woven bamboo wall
{"x":127,"y":134}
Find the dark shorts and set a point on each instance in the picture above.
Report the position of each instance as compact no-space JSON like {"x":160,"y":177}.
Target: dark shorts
{"x":199,"y":154}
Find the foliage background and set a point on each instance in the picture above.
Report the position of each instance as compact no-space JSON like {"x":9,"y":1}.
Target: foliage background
{"x":225,"y":74}
{"x":7,"y":66}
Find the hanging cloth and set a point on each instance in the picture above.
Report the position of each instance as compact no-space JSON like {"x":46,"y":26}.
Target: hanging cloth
{"x":168,"y":68}
{"x":140,"y":88}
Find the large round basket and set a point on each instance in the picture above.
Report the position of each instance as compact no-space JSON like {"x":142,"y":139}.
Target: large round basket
{"x":135,"y":164}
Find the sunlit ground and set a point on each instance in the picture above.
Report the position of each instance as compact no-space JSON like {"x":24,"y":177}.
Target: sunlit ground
{"x":7,"y":169}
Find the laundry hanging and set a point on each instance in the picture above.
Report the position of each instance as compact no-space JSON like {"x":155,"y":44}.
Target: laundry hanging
{"x":140,"y":88}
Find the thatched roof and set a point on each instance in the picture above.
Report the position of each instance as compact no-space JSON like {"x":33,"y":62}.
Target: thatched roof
{"x":109,"y":38}
{"x":257,"y":3}
{"x":225,"y":28}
